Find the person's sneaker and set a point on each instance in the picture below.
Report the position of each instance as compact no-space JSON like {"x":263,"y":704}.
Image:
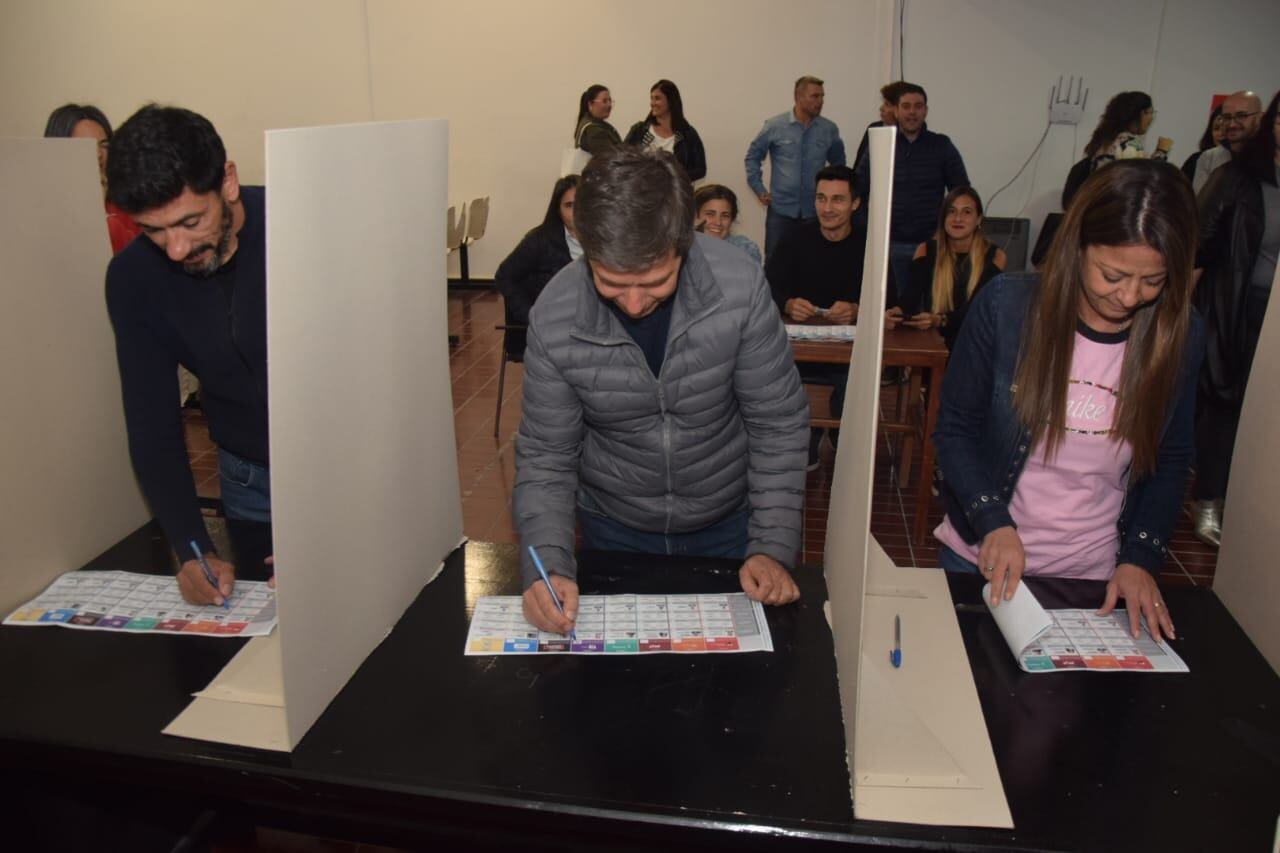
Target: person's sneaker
{"x":815,"y":439}
{"x":1206,"y":518}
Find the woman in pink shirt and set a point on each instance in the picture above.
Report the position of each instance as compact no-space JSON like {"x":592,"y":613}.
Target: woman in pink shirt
{"x":1065,"y":429}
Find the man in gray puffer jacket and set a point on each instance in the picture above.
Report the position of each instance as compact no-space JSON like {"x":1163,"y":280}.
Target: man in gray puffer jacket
{"x":661,"y":399}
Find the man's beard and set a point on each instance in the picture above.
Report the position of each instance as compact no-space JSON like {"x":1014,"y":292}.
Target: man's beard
{"x":206,"y":268}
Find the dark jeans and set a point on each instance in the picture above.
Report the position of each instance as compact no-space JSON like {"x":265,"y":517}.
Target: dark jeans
{"x":246,"y":488}
{"x":724,"y":538}
{"x":777,"y":226}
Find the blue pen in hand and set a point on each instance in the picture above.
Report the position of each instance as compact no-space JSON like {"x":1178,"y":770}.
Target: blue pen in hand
{"x":555,"y":599}
{"x":208,"y":572}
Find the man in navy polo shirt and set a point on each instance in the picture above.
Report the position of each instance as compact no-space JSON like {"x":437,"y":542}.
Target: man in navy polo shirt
{"x":926,"y":167}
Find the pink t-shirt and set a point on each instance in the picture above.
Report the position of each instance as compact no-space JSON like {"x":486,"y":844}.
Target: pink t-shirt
{"x":1066,"y":508}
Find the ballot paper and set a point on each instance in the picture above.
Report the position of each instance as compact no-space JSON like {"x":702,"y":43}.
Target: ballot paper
{"x":142,"y":603}
{"x":625,"y":624}
{"x":1076,"y":640}
{"x":803,"y":332}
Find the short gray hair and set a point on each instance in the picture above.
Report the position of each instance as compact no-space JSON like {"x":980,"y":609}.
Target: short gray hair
{"x":634,"y":205}
{"x":808,"y":80}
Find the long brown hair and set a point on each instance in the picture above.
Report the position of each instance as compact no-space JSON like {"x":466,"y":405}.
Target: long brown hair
{"x":1126,"y":203}
{"x":944,"y":268}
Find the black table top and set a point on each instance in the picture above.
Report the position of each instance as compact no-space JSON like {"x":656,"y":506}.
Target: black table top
{"x":737,"y":751}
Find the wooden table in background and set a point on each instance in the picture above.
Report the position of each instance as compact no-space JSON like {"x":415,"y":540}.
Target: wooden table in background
{"x":921,"y":350}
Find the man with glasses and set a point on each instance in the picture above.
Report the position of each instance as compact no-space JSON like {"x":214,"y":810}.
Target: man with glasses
{"x":1240,"y":112}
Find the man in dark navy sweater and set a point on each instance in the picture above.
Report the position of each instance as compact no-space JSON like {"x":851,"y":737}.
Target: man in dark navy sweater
{"x":926,"y":167}
{"x":193,"y":292}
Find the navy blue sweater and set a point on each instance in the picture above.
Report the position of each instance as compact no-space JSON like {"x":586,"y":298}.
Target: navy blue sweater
{"x":924,"y":171}
{"x":217,"y":328}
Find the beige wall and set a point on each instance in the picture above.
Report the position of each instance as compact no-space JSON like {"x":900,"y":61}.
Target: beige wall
{"x":247,"y":66}
{"x":507,"y":74}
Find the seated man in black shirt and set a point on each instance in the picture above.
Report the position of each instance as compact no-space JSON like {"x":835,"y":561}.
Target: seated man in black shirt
{"x":192,"y":293}
{"x":816,"y":274}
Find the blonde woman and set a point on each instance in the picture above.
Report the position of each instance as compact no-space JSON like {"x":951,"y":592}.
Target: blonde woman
{"x":944,"y":276}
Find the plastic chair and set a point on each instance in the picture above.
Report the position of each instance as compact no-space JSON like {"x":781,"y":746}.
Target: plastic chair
{"x":475,"y":221}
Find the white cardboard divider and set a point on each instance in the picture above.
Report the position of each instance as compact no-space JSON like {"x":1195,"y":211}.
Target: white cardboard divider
{"x":365,"y":498}
{"x":68,"y":490}
{"x":1246,"y":578}
{"x":918,"y":746}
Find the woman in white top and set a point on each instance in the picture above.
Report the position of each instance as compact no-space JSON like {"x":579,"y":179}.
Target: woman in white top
{"x":666,"y":128}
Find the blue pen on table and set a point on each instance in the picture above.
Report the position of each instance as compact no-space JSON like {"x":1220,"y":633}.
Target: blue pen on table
{"x":895,"y":656}
{"x":208,"y":572}
{"x":555,"y":599}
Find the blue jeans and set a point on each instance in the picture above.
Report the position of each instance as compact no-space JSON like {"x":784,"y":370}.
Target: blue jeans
{"x":777,"y":226}
{"x":900,"y":263}
{"x":246,"y":488}
{"x":724,"y":538}
{"x":953,"y":562}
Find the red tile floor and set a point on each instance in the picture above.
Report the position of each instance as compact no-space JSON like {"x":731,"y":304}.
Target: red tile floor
{"x":486,"y":465}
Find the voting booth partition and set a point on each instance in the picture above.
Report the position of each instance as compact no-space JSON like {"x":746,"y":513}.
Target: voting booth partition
{"x":364,"y":466}
{"x":67,"y":489}
{"x":918,"y":746}
{"x":1246,"y":578}
{"x":365,"y":499}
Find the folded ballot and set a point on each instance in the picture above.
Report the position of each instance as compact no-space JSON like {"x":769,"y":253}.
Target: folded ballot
{"x":805,"y":332}
{"x":1057,"y":640}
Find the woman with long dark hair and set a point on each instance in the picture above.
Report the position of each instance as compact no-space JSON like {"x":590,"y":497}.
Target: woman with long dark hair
{"x":1214,"y":132}
{"x":85,"y":121}
{"x":1239,"y":240}
{"x":667,"y":129}
{"x":1119,"y":133}
{"x":541,"y":254}
{"x":1065,"y":430}
{"x":944,"y":275}
{"x":1118,"y":136}
{"x":593,"y":133}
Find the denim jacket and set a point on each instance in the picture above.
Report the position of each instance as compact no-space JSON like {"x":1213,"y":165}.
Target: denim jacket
{"x":982,"y":447}
{"x":797,"y":154}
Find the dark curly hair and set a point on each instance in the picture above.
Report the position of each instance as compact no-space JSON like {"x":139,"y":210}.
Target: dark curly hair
{"x":160,"y":151}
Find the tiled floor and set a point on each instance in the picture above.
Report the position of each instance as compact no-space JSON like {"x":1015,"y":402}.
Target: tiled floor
{"x":486,"y":465}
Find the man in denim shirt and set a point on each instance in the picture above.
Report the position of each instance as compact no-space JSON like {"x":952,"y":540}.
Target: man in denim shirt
{"x":799,"y":143}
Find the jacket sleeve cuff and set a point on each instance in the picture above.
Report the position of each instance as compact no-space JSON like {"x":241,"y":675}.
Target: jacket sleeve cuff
{"x":774,"y":550}
{"x":554,"y":560}
{"x":1144,"y":550}
{"x":987,"y":512}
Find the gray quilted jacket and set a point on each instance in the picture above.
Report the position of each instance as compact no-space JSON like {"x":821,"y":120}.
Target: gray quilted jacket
{"x":724,"y":427}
